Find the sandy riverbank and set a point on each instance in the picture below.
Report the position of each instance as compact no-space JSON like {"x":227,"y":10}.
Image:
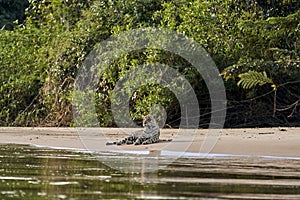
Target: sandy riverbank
{"x":259,"y":141}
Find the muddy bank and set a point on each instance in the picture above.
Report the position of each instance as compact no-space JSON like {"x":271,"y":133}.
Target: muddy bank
{"x":260,"y":141}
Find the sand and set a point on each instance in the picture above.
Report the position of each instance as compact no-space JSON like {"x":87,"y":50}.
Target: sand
{"x":253,"y":142}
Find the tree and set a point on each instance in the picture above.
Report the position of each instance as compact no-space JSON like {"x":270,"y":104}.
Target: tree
{"x":254,"y":44}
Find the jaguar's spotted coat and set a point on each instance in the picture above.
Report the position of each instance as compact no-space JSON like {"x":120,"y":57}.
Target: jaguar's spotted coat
{"x":149,"y":135}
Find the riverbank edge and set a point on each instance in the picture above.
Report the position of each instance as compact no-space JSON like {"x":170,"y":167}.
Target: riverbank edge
{"x":278,"y":141}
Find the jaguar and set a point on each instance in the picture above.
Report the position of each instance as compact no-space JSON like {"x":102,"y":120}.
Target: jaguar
{"x":149,"y":135}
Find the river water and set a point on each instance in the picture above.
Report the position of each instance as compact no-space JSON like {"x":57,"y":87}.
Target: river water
{"x":28,"y":172}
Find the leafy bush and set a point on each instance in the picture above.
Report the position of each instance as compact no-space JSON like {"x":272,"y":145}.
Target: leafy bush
{"x":254,"y":44}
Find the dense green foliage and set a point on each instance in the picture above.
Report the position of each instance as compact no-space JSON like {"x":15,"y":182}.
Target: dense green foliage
{"x":255,"y":45}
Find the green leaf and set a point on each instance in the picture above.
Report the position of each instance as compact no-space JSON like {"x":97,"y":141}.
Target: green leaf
{"x":250,"y":79}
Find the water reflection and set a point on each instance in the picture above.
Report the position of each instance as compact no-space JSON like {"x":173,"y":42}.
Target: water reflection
{"x":38,"y":173}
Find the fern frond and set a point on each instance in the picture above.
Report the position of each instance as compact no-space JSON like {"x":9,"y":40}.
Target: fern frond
{"x":252,"y":78}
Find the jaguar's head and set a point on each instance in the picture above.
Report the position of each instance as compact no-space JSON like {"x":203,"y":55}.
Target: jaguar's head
{"x":148,"y":120}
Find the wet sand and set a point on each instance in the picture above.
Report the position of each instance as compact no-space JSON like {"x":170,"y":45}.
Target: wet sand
{"x":253,"y":142}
